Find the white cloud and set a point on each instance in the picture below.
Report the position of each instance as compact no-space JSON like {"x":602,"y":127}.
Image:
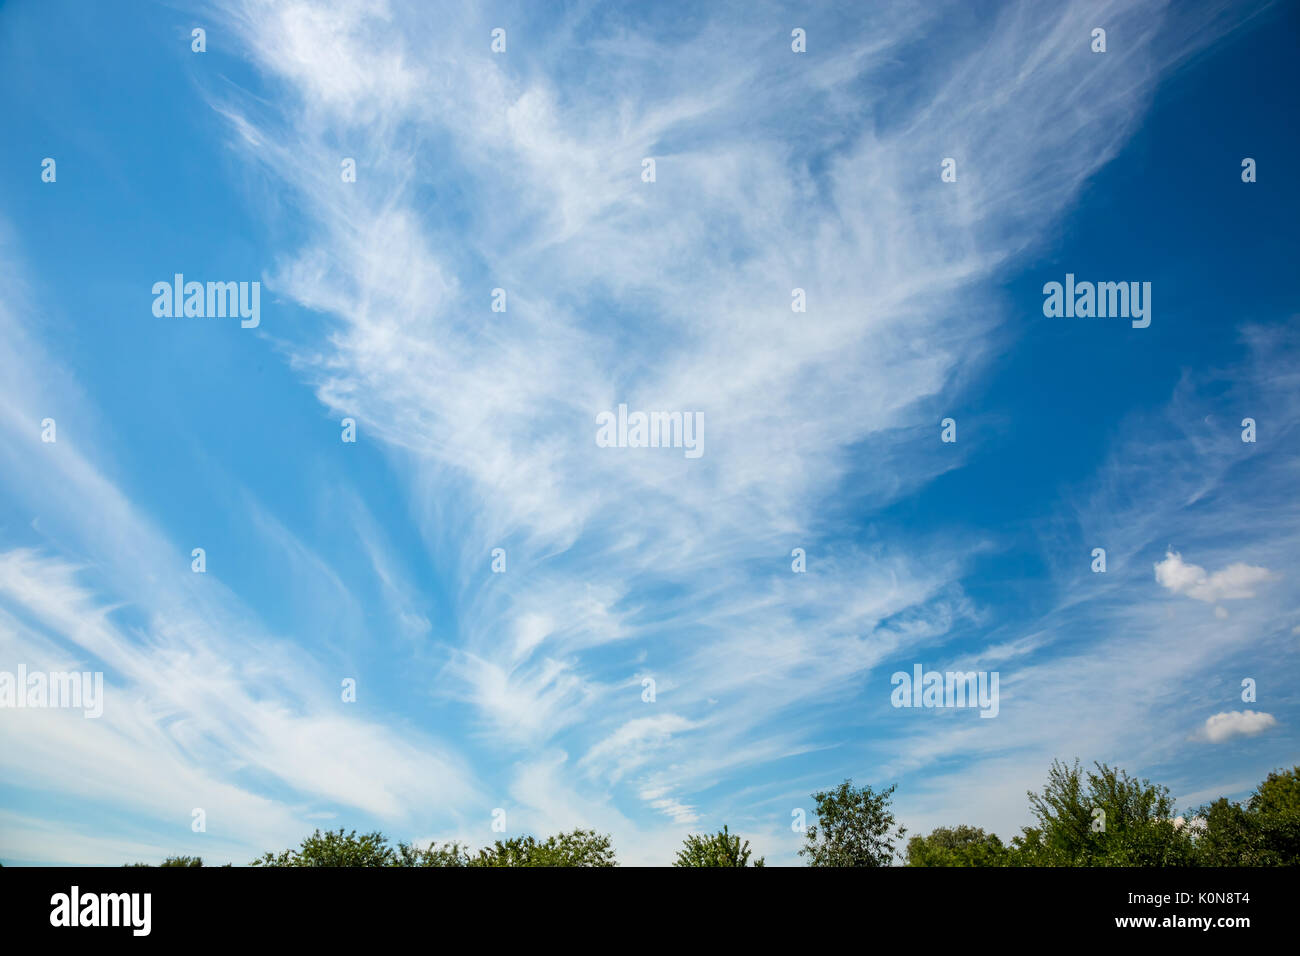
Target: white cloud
{"x":676,"y":295}
{"x":1236,"y":723}
{"x":1235,"y":582}
{"x":633,"y":744}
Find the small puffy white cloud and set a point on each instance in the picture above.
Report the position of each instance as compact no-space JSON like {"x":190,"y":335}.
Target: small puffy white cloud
{"x":1234,"y":582}
{"x":1236,"y":723}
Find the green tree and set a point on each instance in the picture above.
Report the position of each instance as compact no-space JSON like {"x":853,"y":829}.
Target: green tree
{"x":720,"y":849}
{"x":335,"y":848}
{"x":448,"y":854}
{"x":187,"y":861}
{"x":1102,"y":818}
{"x":855,"y":827}
{"x":957,"y":846}
{"x":1264,"y":832}
{"x":1226,"y":835}
{"x":578,"y":848}
{"x":1275,"y":804}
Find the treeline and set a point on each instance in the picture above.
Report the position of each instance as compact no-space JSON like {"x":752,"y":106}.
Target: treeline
{"x":1100,"y":817}
{"x":1104,"y":817}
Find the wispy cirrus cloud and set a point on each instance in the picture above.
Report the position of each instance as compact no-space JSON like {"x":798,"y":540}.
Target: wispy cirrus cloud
{"x":674,"y":294}
{"x":203,"y":707}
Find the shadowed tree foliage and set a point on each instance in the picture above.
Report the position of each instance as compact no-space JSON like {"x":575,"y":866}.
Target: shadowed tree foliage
{"x":720,"y":849}
{"x":1275,"y":805}
{"x":1226,"y":835}
{"x":855,"y":827}
{"x":957,"y":846}
{"x":1264,"y":832}
{"x":1102,"y":818}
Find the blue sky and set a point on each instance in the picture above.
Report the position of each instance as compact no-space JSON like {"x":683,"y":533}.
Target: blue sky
{"x":522,"y":170}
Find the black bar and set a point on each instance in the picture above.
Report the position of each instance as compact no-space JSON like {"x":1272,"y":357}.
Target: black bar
{"x":940,"y":906}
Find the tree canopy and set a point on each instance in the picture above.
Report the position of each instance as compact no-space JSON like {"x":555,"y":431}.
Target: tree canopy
{"x":957,"y":846}
{"x":337,"y":848}
{"x":855,"y":827}
{"x":1102,"y":817}
{"x":719,"y":849}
